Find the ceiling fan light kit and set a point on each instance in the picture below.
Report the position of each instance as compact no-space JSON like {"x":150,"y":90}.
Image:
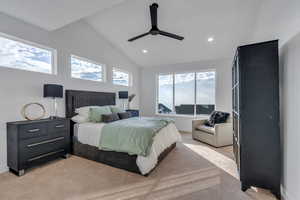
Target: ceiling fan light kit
{"x":154,"y":29}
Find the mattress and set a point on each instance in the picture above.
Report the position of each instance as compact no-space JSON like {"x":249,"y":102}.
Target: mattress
{"x":90,"y":134}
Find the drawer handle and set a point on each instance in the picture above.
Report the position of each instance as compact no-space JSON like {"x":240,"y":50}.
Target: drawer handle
{"x":60,"y":126}
{"x":46,"y":142}
{"x":34,"y":130}
{"x":45,"y":155}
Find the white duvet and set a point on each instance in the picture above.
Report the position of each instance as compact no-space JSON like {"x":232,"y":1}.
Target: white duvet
{"x":90,"y":133}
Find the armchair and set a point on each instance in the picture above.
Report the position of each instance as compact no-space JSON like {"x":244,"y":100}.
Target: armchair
{"x":217,"y":136}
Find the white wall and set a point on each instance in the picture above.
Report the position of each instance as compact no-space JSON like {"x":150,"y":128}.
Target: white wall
{"x":281,"y":20}
{"x":277,"y":19}
{"x":223,"y":87}
{"x":290,"y":116}
{"x":19,"y":87}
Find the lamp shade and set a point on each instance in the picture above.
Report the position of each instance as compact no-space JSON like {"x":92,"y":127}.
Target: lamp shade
{"x":52,"y":90}
{"x":123,"y":94}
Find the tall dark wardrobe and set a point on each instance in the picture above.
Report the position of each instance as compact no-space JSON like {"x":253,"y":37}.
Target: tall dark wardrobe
{"x":256,"y":137}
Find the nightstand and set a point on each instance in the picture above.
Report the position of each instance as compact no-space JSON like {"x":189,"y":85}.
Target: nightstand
{"x":134,"y":113}
{"x":30,"y":143}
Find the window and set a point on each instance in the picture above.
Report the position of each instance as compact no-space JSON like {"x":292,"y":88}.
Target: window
{"x":85,"y":69}
{"x":186,"y":93}
{"x":205,"y":89}
{"x":18,"y":54}
{"x":165,"y":93}
{"x":121,"y":77}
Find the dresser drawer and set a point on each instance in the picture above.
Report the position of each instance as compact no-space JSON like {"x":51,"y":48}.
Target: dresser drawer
{"x":57,"y":126}
{"x":37,"y":160}
{"x":32,"y":130}
{"x":29,"y":150}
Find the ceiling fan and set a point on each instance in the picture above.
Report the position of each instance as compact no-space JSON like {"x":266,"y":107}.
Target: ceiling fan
{"x":155,"y":30}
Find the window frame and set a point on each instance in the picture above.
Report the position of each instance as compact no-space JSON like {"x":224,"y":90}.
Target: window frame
{"x":90,"y":61}
{"x":130,"y":78}
{"x":195,"y":91}
{"x":157,"y":93}
{"x":53,"y":51}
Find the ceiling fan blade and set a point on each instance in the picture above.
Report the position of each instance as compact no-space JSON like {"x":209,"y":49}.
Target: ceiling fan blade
{"x":153,"y":13}
{"x":171,"y":35}
{"x":139,"y":36}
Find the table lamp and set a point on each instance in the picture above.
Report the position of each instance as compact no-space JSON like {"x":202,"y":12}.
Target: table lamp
{"x":53,"y":91}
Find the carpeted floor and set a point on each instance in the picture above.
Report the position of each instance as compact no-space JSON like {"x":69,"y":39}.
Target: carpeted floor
{"x":192,"y":171}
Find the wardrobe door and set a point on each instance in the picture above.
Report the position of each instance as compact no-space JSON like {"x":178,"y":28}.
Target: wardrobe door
{"x":259,"y":116}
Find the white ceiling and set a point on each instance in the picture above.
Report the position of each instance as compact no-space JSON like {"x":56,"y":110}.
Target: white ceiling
{"x":230,"y":22}
{"x":53,"y":14}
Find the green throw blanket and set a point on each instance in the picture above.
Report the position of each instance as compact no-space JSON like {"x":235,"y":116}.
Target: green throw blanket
{"x":133,"y":136}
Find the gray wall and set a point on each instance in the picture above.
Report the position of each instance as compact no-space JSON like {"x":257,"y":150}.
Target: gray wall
{"x":277,"y":19}
{"x":281,"y":20}
{"x":223,"y":87}
{"x":290,"y":126}
{"x":19,"y":87}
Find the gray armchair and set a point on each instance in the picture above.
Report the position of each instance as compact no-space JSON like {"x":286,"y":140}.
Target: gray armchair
{"x":217,"y":136}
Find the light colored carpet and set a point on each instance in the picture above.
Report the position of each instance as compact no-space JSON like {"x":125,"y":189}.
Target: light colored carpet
{"x":192,"y":171}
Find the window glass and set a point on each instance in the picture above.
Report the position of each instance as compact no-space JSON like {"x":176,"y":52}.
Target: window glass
{"x":18,"y":55}
{"x":85,"y":69}
{"x":205,"y":92}
{"x":165,"y":94}
{"x":120,"y":77}
{"x":185,"y":93}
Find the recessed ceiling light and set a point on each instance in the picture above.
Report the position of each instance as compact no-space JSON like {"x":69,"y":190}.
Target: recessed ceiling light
{"x":210,"y":39}
{"x":145,"y":51}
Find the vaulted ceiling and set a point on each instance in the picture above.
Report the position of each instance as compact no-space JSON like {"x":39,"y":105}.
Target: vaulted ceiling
{"x":54,"y":14}
{"x":229,"y":22}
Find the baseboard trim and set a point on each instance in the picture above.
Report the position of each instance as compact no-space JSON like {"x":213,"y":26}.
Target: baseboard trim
{"x":285,"y":195}
{"x":3,"y":169}
{"x":185,"y":132}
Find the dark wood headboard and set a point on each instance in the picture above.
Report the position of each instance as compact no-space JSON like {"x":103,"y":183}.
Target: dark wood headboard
{"x":76,"y":99}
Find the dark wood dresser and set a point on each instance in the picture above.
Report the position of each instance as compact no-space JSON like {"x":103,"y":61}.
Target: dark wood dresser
{"x":30,"y":143}
{"x":256,"y":140}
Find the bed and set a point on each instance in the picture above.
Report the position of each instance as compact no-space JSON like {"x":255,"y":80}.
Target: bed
{"x":85,"y":136}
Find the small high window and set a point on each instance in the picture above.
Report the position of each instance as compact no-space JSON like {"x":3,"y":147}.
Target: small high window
{"x":83,"y":68}
{"x":19,"y":54}
{"x":121,"y":77}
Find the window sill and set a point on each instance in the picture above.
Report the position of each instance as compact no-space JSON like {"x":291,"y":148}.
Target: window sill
{"x":183,"y":116}
{"x":127,"y":86}
{"x":94,"y":81}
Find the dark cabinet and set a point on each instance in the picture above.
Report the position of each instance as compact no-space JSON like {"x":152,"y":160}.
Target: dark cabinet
{"x":30,"y":143}
{"x":256,"y":131}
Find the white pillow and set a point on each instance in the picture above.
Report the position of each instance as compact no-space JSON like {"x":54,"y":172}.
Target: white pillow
{"x":80,"y":119}
{"x":116,"y":109}
{"x":84,"y":111}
